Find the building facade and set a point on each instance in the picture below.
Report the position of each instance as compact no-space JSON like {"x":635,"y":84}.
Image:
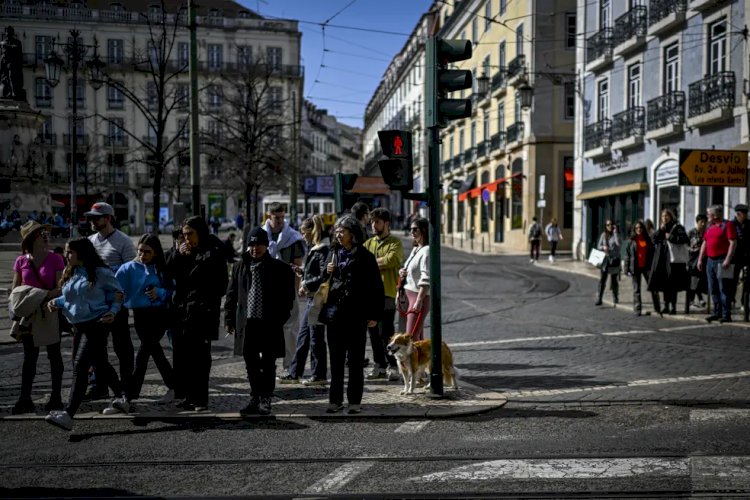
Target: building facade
{"x":505,"y":164}
{"x":112,"y":129}
{"x":656,"y":77}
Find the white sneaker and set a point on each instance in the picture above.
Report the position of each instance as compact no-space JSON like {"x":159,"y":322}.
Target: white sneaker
{"x":354,"y":409}
{"x":60,"y":419}
{"x":531,"y":261}
{"x":119,"y":405}
{"x":376,"y":373}
{"x":167,"y":398}
{"x":392,"y":374}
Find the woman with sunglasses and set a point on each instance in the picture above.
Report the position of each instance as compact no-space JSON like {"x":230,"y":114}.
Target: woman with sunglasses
{"x":415,"y":278}
{"x":40,"y":268}
{"x":638,"y":256}
{"x":609,"y":243}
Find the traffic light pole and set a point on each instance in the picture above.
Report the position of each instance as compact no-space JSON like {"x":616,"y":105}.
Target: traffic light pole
{"x":436,"y":307}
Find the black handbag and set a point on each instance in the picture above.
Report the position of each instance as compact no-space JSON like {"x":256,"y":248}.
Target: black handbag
{"x":328,"y":313}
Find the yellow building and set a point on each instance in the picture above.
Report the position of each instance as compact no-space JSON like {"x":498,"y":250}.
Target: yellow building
{"x":508,"y":163}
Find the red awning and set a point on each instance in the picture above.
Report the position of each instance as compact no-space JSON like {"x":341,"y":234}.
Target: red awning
{"x":490,"y":186}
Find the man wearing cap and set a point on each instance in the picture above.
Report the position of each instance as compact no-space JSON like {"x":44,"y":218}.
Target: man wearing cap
{"x":740,"y":260}
{"x":258,"y":302}
{"x":115,"y":248}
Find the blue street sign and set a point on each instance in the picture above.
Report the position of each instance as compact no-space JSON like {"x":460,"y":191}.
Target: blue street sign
{"x":314,"y":185}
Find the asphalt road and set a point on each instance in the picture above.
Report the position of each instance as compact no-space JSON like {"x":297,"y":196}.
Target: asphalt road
{"x":600,"y":403}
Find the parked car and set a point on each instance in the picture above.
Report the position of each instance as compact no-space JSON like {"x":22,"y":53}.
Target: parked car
{"x":228,"y":225}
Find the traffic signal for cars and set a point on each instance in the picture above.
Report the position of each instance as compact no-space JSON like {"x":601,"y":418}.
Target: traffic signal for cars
{"x":397,"y":170}
{"x":441,"y":80}
{"x":343,"y":198}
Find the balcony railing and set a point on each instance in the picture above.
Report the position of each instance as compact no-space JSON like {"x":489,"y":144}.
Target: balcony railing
{"x":631,"y":24}
{"x":48,"y":139}
{"x":497,"y":141}
{"x":83,"y":139}
{"x":597,"y":135}
{"x":668,"y":109}
{"x":482,"y":148}
{"x":713,"y":92}
{"x":629,"y":123}
{"x":514,"y":132}
{"x":469,"y":155}
{"x":498,"y":80}
{"x":116,"y":141}
{"x":599,"y":45}
{"x":661,"y":9}
{"x":517,"y":66}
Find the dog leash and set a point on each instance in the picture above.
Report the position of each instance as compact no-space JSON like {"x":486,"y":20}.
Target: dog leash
{"x":417,"y":323}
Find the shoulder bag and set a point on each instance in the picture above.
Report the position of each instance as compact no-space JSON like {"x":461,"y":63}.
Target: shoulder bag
{"x":679,"y":253}
{"x":320,"y":297}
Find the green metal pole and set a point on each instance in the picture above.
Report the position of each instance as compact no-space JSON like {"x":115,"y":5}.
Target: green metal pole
{"x":195,"y":154}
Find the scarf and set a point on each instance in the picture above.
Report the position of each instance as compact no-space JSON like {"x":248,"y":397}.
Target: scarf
{"x":255,"y":294}
{"x":287,"y":237}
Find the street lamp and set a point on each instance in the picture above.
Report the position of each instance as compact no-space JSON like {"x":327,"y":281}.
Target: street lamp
{"x":76,"y":50}
{"x":526,"y":93}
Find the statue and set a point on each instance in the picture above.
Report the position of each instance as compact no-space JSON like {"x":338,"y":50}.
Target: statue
{"x":11,"y":67}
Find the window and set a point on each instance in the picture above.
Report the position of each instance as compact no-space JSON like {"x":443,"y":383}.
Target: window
{"x":43,"y":93}
{"x":487,"y":15}
{"x":475,"y":31}
{"x":503,"y":6}
{"x":183,"y":132}
{"x":244,"y":56}
{"x":671,"y":68}
{"x":570,"y":31}
{"x":75,"y":127}
{"x":473,"y":137}
{"x":519,"y":40}
{"x":501,"y":56}
{"x":604,"y":15}
{"x":516,"y":200}
{"x":183,"y":54}
{"x":215,"y":56}
{"x":485,"y":127}
{"x":273,"y":57}
{"x":181,"y":96}
{"x":153,"y":53}
{"x":274,"y":98}
{"x":517,"y":117}
{"x":501,"y":117}
{"x":214,"y":130}
{"x":602,"y":100}
{"x":569,"y":94}
{"x":115,"y":51}
{"x":215,"y":96}
{"x":634,"y":85}
{"x":116,"y":131}
{"x":47,"y":131}
{"x":80,"y":93}
{"x":114,"y":97}
{"x":151,"y":95}
{"x":43,"y":47}
{"x":461,"y":142}
{"x":151,"y":137}
{"x":717,"y":47}
{"x":486,"y":67}
{"x":450,"y":148}
{"x":214,"y":166}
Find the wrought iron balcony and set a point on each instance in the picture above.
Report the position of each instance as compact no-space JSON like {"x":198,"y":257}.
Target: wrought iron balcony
{"x":48,"y":139}
{"x":83,"y":139}
{"x":517,"y":66}
{"x":116,"y":141}
{"x":497,"y":141}
{"x":631,"y":24}
{"x":661,"y":9}
{"x":597,"y":135}
{"x":629,"y":123}
{"x":713,"y":92}
{"x":668,"y":109}
{"x":482,"y":148}
{"x":599,"y":45}
{"x":498,"y":80}
{"x":514,"y":132}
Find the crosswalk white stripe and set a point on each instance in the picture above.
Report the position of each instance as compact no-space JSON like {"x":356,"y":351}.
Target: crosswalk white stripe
{"x":339,"y":478}
{"x":412,"y":427}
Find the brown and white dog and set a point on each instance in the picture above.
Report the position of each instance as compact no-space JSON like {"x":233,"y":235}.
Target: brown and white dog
{"x":414,"y":359}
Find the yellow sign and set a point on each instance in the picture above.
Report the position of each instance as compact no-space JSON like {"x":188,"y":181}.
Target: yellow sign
{"x":713,"y":167}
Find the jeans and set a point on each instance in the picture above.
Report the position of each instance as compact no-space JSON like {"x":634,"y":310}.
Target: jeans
{"x":30,"y":357}
{"x":310,"y":338}
{"x":150,"y":325}
{"x":91,"y":349}
{"x":613,"y":284}
{"x":192,"y":365}
{"x":123,"y":347}
{"x":637,"y":303}
{"x":535,"y":244}
{"x":380,"y":335}
{"x":718,"y":288}
{"x":553,"y":248}
{"x":260,"y":363}
{"x":347,"y":338}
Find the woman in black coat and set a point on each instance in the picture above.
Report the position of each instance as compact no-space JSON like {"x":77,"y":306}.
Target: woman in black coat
{"x":199,"y":270}
{"x":667,"y":276}
{"x":639,"y":254}
{"x":355,"y":301}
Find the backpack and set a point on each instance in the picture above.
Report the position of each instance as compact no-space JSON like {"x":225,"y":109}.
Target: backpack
{"x":535,"y":232}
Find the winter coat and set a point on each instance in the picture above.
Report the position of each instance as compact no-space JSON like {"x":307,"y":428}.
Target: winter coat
{"x":666,"y":276}
{"x":612,"y":242}
{"x":28,"y":311}
{"x":631,"y":254}
{"x":277,"y":285}
{"x":200,"y":281}
{"x":356,"y":291}
{"x":315,"y":266}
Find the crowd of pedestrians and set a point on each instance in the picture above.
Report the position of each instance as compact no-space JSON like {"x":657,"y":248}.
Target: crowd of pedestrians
{"x":711,"y":258}
{"x":350,"y":284}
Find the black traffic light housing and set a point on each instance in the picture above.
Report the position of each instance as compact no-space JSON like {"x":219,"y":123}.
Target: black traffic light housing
{"x":441,"y":80}
{"x":397,"y":170}
{"x":343,"y":198}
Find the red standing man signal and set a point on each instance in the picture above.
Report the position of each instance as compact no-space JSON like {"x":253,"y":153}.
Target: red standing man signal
{"x":398,"y":145}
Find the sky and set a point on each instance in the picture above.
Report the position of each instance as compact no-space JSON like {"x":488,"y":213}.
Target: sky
{"x":343,"y":67}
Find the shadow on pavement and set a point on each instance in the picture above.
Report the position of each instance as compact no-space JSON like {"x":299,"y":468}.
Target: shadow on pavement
{"x":38,"y":492}
{"x":504,"y":413}
{"x":480,"y":367}
{"x":538,"y":382}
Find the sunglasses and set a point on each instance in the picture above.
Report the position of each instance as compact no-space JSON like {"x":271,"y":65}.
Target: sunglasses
{"x":414,"y":229}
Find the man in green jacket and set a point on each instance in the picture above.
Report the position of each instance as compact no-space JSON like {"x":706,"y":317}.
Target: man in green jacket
{"x":389,"y":253}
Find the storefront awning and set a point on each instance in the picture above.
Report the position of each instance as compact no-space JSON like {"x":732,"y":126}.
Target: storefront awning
{"x":626,"y":182}
{"x":490,"y":186}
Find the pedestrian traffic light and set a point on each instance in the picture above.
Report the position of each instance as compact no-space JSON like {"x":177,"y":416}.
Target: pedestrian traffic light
{"x":397,"y":170}
{"x":441,"y":80}
{"x":344,"y":199}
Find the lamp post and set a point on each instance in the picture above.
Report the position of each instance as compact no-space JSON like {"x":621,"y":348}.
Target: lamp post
{"x":76,"y":50}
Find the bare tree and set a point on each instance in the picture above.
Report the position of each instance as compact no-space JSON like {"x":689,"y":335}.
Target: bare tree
{"x":249,"y":129}
{"x":158,"y":100}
